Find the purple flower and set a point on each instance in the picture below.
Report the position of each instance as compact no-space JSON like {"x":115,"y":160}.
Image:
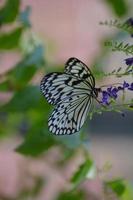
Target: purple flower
{"x":120,"y":88}
{"x":130,"y":87}
{"x":109,"y":89}
{"x":130,"y":21}
{"x":105,"y":97}
{"x":114,"y":93}
{"x":129,"y":61}
{"x":125,"y":85}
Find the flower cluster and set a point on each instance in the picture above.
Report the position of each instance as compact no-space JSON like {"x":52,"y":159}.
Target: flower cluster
{"x":130,"y":23}
{"x":112,"y":92}
{"x":129,"y":61}
{"x":108,"y":95}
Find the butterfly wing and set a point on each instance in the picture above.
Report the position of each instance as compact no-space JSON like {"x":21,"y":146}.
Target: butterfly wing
{"x":51,"y":85}
{"x":69,"y":116}
{"x":78,"y":69}
{"x":71,"y":93}
{"x":59,"y":86}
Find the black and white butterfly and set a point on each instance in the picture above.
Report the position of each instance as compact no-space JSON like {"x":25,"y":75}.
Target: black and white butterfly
{"x":72,"y":93}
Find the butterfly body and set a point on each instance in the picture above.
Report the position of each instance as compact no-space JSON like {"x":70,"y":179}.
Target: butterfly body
{"x":71,"y":93}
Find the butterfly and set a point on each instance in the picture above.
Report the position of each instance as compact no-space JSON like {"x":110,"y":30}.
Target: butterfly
{"x":72,"y":93}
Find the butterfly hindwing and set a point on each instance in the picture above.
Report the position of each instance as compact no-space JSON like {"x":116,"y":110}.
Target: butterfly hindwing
{"x":69,"y":116}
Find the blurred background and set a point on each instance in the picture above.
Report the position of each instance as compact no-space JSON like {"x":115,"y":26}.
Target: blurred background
{"x":37,"y":37}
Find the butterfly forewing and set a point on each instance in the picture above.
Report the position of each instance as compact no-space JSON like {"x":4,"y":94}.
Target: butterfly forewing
{"x":71,"y":92}
{"x":53,"y":86}
{"x":58,"y":86}
{"x":78,"y":69}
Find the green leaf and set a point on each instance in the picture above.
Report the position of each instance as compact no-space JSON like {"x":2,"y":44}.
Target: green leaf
{"x":117,"y":186}
{"x":10,"y":40}
{"x":38,"y":142}
{"x":98,"y":72}
{"x":25,"y":99}
{"x":38,"y":139}
{"x":24,"y":70}
{"x":71,"y":142}
{"x":9,"y":123}
{"x":128,"y":193}
{"x":82,"y":172}
{"x":76,"y":195}
{"x":31,"y":104}
{"x":24,"y":17}
{"x":5,"y":86}
{"x":119,"y":7}
{"x":9,"y":12}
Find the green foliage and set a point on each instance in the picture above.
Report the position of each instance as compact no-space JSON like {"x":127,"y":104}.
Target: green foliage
{"x":34,"y":192}
{"x":120,"y":46}
{"x":9,"y":12}
{"x":27,"y":112}
{"x":10,"y":40}
{"x":119,"y":7}
{"x":5,"y":86}
{"x":120,"y":72}
{"x":9,"y":123}
{"x":25,"y":69}
{"x":77,"y":195}
{"x":37,"y":142}
{"x":128,"y":193}
{"x":24,"y":17}
{"x":23,"y":72}
{"x":72,"y":142}
{"x":117,"y":186}
{"x":26,"y":100}
{"x":119,"y":25}
{"x":82,"y":173}
{"x":23,"y":100}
